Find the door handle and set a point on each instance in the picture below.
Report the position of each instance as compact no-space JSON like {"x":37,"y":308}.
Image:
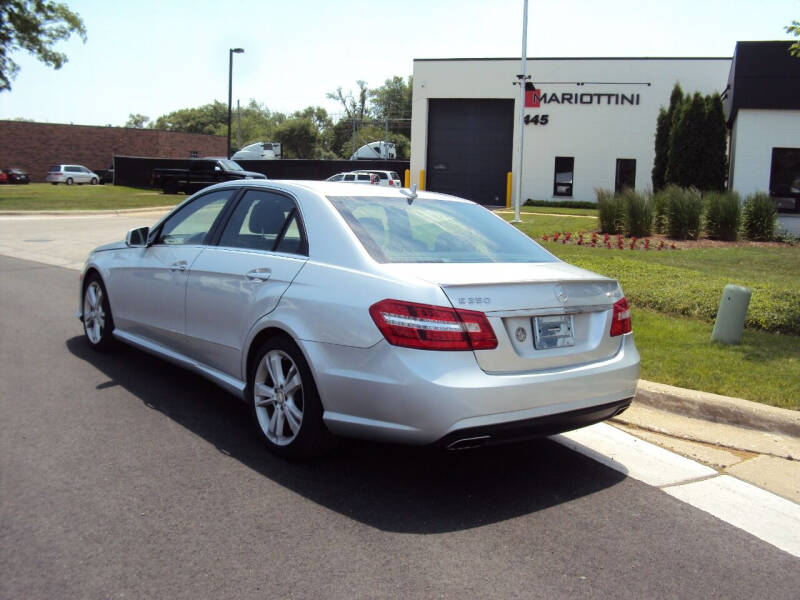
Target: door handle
{"x":178,"y":266}
{"x":258,"y":274}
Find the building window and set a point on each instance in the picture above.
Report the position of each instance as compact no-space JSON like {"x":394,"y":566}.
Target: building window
{"x":562,"y":181}
{"x":626,"y":174}
{"x":784,"y":177}
{"x":194,"y":154}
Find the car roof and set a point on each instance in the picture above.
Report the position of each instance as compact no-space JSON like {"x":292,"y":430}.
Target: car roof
{"x":335,"y":188}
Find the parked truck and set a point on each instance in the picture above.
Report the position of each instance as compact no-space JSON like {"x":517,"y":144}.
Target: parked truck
{"x":201,"y":173}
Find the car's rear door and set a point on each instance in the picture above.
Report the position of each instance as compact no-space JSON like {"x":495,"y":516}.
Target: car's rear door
{"x":232,"y":284}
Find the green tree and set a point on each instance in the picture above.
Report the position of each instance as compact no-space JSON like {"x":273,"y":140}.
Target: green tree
{"x":664,"y":124}
{"x":210,"y":119}
{"x":354,"y":107}
{"x":34,"y":26}
{"x":299,"y":138}
{"x":392,"y":102}
{"x":686,"y":152}
{"x":794,"y":29}
{"x":716,"y":146}
{"x":137,"y":121}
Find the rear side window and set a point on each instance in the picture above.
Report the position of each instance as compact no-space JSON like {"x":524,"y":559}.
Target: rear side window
{"x":394,"y":231}
{"x":72,"y":169}
{"x":264,"y":220}
{"x":55,"y":169}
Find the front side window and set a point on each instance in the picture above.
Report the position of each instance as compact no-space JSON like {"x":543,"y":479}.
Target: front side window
{"x":264,"y":220}
{"x":563,"y":178}
{"x":425,"y":231}
{"x":192,"y":222}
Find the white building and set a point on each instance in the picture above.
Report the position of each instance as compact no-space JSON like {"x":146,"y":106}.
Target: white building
{"x":590,"y":122}
{"x":762,"y":105}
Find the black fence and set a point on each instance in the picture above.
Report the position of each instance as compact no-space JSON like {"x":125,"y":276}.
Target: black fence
{"x":136,"y":171}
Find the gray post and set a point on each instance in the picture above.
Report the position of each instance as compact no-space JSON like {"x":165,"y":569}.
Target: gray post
{"x":731,"y":314}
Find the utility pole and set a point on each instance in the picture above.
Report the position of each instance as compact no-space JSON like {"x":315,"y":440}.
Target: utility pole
{"x":238,"y":125}
{"x":523,"y":79}
{"x":231,"y":52}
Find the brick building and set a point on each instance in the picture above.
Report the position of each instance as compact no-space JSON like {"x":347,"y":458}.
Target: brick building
{"x":33,"y":147}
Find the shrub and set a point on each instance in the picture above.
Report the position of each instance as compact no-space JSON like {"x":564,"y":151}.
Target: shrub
{"x":723,"y":215}
{"x":660,"y":204}
{"x":759,"y":217}
{"x":610,"y":211}
{"x":683,"y":213}
{"x":638,"y":213}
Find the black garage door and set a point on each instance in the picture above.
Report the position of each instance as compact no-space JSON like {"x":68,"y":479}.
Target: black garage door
{"x":469,"y":148}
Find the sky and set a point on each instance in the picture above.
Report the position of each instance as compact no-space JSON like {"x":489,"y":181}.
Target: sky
{"x":155,"y":56}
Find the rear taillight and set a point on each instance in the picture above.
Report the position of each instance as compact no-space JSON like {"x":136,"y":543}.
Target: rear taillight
{"x":429,"y":327}
{"x":621,"y":319}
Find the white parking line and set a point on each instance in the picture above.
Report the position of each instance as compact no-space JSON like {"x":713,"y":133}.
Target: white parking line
{"x":762,"y":514}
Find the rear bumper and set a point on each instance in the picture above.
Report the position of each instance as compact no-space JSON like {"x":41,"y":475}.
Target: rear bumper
{"x":515,"y":431}
{"x":421,"y":397}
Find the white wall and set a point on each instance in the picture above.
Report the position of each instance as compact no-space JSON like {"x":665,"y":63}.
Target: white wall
{"x":755,"y":133}
{"x":595,"y":135}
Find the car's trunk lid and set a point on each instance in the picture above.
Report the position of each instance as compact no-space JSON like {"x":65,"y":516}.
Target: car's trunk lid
{"x":545,"y":315}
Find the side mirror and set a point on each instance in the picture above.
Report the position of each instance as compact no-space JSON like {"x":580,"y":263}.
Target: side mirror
{"x":217,"y":168}
{"x":137,"y":238}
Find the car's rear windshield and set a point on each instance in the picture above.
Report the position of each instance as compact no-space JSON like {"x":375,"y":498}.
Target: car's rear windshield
{"x":394,"y":230}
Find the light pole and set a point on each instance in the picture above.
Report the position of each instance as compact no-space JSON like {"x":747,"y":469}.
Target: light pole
{"x":231,"y":52}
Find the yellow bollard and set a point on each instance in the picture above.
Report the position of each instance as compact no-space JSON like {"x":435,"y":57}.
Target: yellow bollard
{"x":407,"y":178}
{"x":422,"y":179}
{"x":508,"y":189}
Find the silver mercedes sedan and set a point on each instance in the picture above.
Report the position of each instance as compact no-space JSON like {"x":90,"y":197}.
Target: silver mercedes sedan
{"x":366,"y":311}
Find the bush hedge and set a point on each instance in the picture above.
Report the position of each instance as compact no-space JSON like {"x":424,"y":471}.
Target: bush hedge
{"x":638,"y":213}
{"x":610,"y":211}
{"x":684,"y":209}
{"x":723,"y":215}
{"x":759,"y":217}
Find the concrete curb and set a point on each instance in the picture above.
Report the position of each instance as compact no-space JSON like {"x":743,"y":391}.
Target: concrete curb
{"x":719,"y":409}
{"x":83,"y":213}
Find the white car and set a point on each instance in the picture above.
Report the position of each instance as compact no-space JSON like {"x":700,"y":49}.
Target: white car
{"x":341,"y":310}
{"x":387,"y":178}
{"x":70,"y":174}
{"x":355,"y":177}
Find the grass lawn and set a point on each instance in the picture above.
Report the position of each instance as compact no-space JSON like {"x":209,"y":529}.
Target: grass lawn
{"x":765,"y":367}
{"x":555,"y":210}
{"x":45,"y":196}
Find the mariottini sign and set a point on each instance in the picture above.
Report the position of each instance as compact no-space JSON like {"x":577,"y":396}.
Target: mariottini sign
{"x":534,"y":98}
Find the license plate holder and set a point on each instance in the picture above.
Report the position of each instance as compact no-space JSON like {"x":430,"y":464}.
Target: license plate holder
{"x":553,"y":331}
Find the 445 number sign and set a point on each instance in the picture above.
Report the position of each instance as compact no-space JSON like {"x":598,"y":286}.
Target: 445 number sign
{"x":537,"y":119}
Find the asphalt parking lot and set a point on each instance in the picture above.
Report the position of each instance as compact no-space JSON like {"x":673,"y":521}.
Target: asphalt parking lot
{"x":123,"y":476}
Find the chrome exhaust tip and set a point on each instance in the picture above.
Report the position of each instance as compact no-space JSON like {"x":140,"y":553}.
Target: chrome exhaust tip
{"x":466,"y":443}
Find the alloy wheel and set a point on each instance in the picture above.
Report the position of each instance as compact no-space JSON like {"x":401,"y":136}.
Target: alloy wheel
{"x":94,"y":317}
{"x":278,"y":397}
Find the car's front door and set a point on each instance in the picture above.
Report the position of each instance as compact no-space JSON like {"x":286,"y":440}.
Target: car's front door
{"x":234,"y":283}
{"x":150,"y":286}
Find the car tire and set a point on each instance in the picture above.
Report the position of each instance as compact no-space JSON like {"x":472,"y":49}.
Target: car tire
{"x":285,"y":403}
{"x":97,"y":320}
{"x":94,"y":181}
{"x":69,"y":181}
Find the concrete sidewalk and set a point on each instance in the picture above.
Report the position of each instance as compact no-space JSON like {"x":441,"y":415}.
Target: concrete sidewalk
{"x":753,"y":442}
